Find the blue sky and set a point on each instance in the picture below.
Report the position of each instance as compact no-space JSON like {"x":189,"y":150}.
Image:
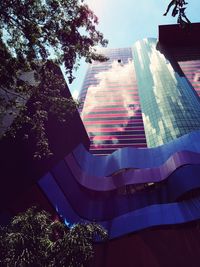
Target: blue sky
{"x":125,"y":21}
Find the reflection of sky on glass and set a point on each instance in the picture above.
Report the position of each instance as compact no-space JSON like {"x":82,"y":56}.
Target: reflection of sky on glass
{"x":170,"y":107}
{"x":191,"y":70}
{"x":111,"y":111}
{"x":118,"y":75}
{"x":162,"y":71}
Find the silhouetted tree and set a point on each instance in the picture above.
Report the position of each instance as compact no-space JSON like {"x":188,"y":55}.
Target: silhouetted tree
{"x":34,"y":239}
{"x":31,"y":33}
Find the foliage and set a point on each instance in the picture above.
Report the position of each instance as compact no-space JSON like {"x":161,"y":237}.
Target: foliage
{"x":32,"y":32}
{"x":34,"y":239}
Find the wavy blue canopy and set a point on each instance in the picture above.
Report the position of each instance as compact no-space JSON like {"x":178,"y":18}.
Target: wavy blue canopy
{"x":152,"y":215}
{"x":131,"y":176}
{"x":130,"y":157}
{"x":75,"y":201}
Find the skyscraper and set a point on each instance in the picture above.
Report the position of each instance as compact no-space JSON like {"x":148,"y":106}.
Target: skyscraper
{"x":110,"y":104}
{"x":170,"y":105}
{"x":139,"y":98}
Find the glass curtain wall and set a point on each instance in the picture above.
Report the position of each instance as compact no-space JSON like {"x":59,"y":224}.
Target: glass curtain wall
{"x":170,"y":106}
{"x":110,"y":107}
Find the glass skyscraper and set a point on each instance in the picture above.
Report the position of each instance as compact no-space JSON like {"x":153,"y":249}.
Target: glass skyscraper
{"x":111,"y":109}
{"x":139,"y":98}
{"x":170,"y":106}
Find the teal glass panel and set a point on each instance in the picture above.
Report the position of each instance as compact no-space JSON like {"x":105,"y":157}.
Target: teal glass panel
{"x":170,"y":107}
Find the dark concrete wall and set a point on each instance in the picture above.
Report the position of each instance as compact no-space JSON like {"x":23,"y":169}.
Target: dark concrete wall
{"x":157,"y":247}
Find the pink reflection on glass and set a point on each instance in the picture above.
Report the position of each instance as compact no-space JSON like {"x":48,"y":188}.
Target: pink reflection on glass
{"x":114,"y":129}
{"x":191,"y":70}
{"x":113,"y":101}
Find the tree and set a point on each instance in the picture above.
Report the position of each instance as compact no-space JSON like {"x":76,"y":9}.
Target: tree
{"x":34,"y":239}
{"x":31,"y":33}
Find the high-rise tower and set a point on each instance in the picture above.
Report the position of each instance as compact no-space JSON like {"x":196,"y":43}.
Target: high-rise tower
{"x":111,"y":109}
{"x":170,"y":105}
{"x":141,"y":88}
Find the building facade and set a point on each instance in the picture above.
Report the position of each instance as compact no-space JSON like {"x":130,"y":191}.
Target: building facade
{"x":138,"y":98}
{"x":170,"y":105}
{"x":110,"y":108}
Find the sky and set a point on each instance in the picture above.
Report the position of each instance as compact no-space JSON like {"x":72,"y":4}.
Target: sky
{"x":123,"y":22}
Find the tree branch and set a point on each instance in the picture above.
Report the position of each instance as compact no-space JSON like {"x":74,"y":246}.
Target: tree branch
{"x":13,"y":93}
